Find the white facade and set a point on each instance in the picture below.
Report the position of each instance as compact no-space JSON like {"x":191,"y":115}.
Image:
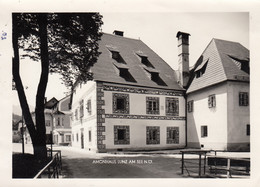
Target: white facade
{"x":226,"y":122}
{"x":238,"y":117}
{"x":104,"y":122}
{"x":84,"y":129}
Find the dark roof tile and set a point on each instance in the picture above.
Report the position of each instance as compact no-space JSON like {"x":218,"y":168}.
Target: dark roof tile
{"x":129,"y":49}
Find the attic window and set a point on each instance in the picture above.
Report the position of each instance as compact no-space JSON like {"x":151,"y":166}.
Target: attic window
{"x":200,"y":70}
{"x":154,"y":75}
{"x":122,"y":70}
{"x":242,"y":64}
{"x":116,"y":56}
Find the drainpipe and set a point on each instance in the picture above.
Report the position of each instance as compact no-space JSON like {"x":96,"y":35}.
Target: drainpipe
{"x":186,"y":119}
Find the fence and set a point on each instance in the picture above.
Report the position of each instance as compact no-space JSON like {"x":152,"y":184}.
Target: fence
{"x":216,"y":166}
{"x":53,"y":168}
{"x":229,"y":166}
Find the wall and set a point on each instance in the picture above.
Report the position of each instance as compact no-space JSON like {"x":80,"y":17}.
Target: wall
{"x":215,"y":118}
{"x":88,"y":121}
{"x":137,"y":119}
{"x":238,"y":117}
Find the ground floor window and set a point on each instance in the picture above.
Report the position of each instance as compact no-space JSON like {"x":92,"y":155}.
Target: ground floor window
{"x":204,"y":131}
{"x":172,"y":135}
{"x":248,"y":130}
{"x":68,"y":138}
{"x":153,"y":135}
{"x":121,"y":135}
{"x":89,"y":135}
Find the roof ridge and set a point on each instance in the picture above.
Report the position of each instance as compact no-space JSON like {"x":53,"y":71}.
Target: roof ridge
{"x":121,"y":36}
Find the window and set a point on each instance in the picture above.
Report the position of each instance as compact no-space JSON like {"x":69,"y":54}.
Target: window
{"x":243,"y":99}
{"x":62,"y":138}
{"x":172,"y":135}
{"x":145,"y":61}
{"x":120,"y":103}
{"x":200,"y":70}
{"x":76,"y":114}
{"x":68,"y":138}
{"x":77,"y":137}
{"x":152,"y":105}
{"x":89,"y":136}
{"x":47,"y":123}
{"x":153,"y":135}
{"x":190,"y":106}
{"x":248,"y":130}
{"x":81,"y":109}
{"x":73,"y":137}
{"x":212,"y":101}
{"x":116,"y":56}
{"x":121,"y":135}
{"x":172,"y":106}
{"x":89,"y":106}
{"x":241,"y":64}
{"x":204,"y":131}
{"x":58,"y":121}
{"x":125,"y":74}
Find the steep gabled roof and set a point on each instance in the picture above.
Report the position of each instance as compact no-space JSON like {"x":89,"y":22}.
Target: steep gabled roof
{"x":132,"y":51}
{"x":221,"y":61}
{"x":51,"y":103}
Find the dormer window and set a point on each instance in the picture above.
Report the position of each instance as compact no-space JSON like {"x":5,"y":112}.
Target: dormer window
{"x":144,"y":59}
{"x":200,"y":70}
{"x":242,"y":64}
{"x":155,"y":77}
{"x":115,"y":55}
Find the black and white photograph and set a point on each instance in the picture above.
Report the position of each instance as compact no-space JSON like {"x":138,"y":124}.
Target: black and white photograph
{"x":100,"y":97}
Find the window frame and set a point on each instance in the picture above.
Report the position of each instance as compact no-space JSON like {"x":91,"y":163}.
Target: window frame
{"x":212,"y":101}
{"x":175,"y":103}
{"x":126,"y":139}
{"x":81,"y":108}
{"x":125,"y":97}
{"x":89,"y":136}
{"x":243,"y":99}
{"x":154,"y":140}
{"x":204,"y":131}
{"x":176,"y":133}
{"x":248,"y":129}
{"x":152,"y":105}
{"x":190,"y":106}
{"x":89,"y":109}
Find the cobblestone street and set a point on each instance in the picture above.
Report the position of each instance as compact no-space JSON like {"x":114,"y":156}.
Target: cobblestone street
{"x":77,"y":164}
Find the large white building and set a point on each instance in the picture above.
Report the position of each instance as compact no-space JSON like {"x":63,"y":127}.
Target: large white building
{"x":133,"y":103}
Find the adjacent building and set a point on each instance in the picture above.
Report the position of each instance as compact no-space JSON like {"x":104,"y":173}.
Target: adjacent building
{"x":57,"y":121}
{"x":133,"y":103}
{"x":218,"y":97}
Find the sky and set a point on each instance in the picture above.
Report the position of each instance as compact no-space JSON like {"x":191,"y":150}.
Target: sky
{"x":157,"y":30}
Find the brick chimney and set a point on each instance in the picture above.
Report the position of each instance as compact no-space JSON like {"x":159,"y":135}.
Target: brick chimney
{"x":183,"y":54}
{"x":118,"y":33}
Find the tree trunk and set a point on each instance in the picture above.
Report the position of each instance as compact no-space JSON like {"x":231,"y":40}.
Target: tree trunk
{"x":19,"y":84}
{"x":40,"y":149}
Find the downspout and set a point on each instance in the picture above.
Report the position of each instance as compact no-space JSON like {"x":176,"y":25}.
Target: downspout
{"x":186,"y":119}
